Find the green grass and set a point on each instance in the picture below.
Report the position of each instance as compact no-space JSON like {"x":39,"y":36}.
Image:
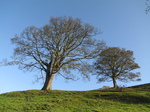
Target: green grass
{"x":101,"y":100}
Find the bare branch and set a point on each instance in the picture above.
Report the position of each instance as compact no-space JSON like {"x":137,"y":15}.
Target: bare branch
{"x":71,"y":78}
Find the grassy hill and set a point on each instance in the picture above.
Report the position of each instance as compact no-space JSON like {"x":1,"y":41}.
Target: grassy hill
{"x":101,"y":100}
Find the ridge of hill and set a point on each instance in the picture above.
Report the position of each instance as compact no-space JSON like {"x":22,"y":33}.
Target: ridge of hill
{"x":144,"y":86}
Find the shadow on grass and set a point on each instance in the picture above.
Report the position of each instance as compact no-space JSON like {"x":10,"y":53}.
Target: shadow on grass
{"x":124,"y":97}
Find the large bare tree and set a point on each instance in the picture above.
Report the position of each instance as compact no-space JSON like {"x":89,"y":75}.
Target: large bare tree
{"x":116,"y":64}
{"x":62,"y":45}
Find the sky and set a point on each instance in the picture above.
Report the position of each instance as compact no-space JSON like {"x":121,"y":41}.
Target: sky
{"x":124,"y":24}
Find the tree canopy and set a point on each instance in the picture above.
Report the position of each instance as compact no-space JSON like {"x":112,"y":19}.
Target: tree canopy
{"x":114,"y":64}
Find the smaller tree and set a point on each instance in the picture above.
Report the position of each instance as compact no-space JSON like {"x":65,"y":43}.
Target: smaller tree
{"x":114,"y":64}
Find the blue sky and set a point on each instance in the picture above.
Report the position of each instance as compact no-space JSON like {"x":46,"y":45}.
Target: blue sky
{"x":124,"y":24}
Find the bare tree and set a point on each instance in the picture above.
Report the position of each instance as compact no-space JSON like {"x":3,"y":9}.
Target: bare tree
{"x":63,"y":45}
{"x":116,"y":64}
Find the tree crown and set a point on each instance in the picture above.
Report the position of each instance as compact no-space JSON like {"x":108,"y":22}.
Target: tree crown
{"x":117,"y":63}
{"x":61,"y":45}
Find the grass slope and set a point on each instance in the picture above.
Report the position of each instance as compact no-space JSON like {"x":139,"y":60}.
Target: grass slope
{"x":101,"y":100}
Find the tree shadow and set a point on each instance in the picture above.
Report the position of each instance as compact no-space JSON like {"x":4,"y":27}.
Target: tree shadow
{"x":124,"y":97}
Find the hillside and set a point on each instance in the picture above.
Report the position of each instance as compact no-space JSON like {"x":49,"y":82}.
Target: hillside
{"x":144,"y":86}
{"x":101,"y":100}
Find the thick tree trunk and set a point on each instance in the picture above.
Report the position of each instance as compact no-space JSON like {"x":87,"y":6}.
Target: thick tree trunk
{"x":48,"y":82}
{"x":115,"y":83}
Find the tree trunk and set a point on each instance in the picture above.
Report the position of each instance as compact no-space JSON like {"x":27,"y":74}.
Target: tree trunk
{"x":115,"y":83}
{"x":48,"y":82}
